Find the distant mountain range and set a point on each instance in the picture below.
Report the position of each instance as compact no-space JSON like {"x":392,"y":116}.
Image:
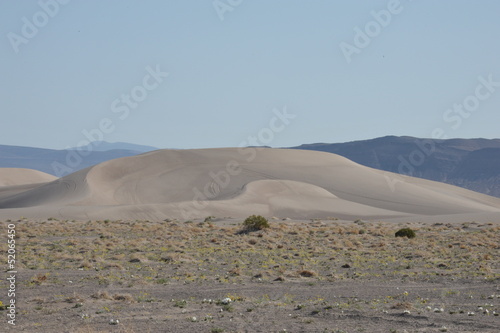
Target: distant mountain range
{"x":470,"y":163}
{"x":105,"y":146}
{"x":64,"y":162}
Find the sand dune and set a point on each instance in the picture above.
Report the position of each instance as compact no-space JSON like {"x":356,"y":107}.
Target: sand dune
{"x":16,"y":176}
{"x":239,"y":182}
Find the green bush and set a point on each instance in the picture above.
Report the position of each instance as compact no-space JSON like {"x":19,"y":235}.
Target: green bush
{"x":406,"y":232}
{"x":255,"y":222}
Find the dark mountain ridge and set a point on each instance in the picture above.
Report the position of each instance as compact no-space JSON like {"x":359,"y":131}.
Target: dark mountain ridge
{"x":470,"y":163}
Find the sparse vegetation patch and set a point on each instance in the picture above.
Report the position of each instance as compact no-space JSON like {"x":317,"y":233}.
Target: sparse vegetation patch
{"x":293,"y":275}
{"x":406,"y":232}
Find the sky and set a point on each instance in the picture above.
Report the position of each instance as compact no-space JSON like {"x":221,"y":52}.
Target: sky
{"x":227,"y":73}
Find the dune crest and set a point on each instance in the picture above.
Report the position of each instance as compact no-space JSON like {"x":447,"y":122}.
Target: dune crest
{"x":18,"y":176}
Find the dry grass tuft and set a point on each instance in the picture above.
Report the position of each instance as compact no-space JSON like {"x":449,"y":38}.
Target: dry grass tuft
{"x":102,"y":295}
{"x":307,"y":273}
{"x":75,"y":298}
{"x":39,"y":278}
{"x":124,"y":297}
{"x":402,"y":306}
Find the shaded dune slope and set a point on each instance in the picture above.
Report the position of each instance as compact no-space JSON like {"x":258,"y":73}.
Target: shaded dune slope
{"x":239,"y":182}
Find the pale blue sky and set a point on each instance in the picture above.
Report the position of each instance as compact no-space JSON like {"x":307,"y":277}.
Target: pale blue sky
{"x":225,"y":77}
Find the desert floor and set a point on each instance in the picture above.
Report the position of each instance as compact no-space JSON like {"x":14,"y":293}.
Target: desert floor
{"x":297,"y":276}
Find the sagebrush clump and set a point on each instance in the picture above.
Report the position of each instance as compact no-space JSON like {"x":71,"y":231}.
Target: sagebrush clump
{"x":255,"y":222}
{"x":406,"y":232}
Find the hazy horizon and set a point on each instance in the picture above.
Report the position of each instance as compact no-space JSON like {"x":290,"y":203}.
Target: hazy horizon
{"x":277,"y":147}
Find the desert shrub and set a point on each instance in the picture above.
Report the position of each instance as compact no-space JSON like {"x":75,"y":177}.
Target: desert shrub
{"x":405,"y":232}
{"x":255,"y":222}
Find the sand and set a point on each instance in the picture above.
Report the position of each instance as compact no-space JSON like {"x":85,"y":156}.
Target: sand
{"x":18,"y":176}
{"x":234,"y":182}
